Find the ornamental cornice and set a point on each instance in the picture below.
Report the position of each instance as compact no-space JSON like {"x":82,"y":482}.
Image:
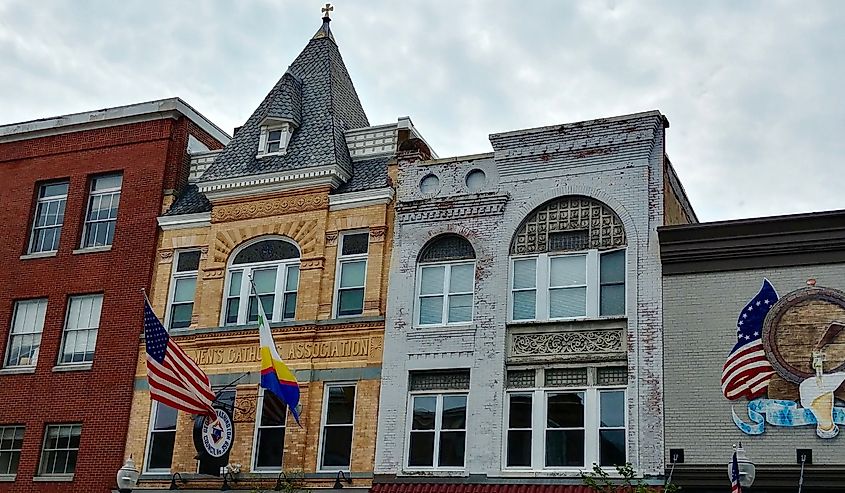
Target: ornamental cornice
{"x":440,"y":209}
{"x":311,"y":263}
{"x":377,"y":233}
{"x":567,"y":344}
{"x":269,"y":207}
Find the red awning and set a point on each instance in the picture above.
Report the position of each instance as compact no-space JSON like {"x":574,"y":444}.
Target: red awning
{"x":477,"y":488}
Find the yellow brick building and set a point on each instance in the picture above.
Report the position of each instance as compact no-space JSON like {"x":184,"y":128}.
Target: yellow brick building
{"x":300,"y":201}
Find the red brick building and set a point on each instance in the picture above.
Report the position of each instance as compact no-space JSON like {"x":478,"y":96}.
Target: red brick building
{"x":79,"y":197}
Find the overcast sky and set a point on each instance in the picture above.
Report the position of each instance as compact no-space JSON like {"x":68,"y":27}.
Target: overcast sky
{"x":753,"y":90}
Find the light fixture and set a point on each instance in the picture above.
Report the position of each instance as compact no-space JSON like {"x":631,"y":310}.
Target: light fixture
{"x":747,"y":469}
{"x":127,"y":476}
{"x":337,"y":484}
{"x":279,"y":481}
{"x":173,"y":485}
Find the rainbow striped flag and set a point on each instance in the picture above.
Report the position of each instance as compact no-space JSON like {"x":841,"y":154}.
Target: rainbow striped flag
{"x":276,"y":377}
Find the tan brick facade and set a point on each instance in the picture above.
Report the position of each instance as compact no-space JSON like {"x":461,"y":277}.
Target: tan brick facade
{"x":328,"y":349}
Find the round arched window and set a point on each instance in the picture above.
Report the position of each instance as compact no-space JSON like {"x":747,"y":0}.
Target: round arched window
{"x":272,"y":266}
{"x":446,"y":281}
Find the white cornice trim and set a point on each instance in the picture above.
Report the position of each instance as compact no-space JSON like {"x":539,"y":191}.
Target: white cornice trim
{"x":109,"y":117}
{"x":332,"y":175}
{"x":362,"y":198}
{"x":183,"y":221}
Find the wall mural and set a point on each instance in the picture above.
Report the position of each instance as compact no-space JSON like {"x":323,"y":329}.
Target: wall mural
{"x":789,"y":360}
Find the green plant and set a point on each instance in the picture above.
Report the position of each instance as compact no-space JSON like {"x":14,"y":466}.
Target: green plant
{"x":600,"y":481}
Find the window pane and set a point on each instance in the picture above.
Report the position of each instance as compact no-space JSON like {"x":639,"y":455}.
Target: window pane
{"x":337,"y":446}
{"x":106,"y":181}
{"x":524,"y":273}
{"x":524,"y":305}
{"x":460,"y":308}
{"x":612,"y":408}
{"x":273,"y":411}
{"x":612,"y":300}
{"x":432,"y":280}
{"x":184,"y":290}
{"x":235,"y":283}
{"x":232,"y":307}
{"x":352,"y":274}
{"x":161,"y":450}
{"x":611,"y":447}
{"x":567,"y":302}
{"x":267,"y":302}
{"x":293,"y":278}
{"x":53,"y":189}
{"x":421,"y":449}
{"x":519,"y":448}
{"x":431,"y":310}
{"x":519,"y":412}
{"x":290,"y":306}
{"x":341,"y":405}
{"x":270,"y":447}
{"x":565,"y":410}
{"x":452,"y":445}
{"x":355,"y":244}
{"x":264,"y":280}
{"x":351,"y":302}
{"x":180,"y":316}
{"x":274,"y":135}
{"x":569,"y":270}
{"x":165,"y":418}
{"x":612,"y":268}
{"x":424,"y":409}
{"x":266,"y":251}
{"x":188,"y":261}
{"x":564,"y":448}
{"x":273,"y":146}
{"x":454,"y":412}
{"x":461,"y":277}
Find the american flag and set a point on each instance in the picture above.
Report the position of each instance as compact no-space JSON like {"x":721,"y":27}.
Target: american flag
{"x":747,"y":371}
{"x":735,"y":486}
{"x":173,"y":376}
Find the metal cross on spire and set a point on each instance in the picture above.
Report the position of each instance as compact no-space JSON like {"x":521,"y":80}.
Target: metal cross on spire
{"x":327,"y":10}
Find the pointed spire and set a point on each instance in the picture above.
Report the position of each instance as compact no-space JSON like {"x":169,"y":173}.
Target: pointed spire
{"x":325,"y":31}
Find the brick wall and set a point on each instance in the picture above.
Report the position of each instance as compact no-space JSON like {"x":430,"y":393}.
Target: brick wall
{"x":100,"y":397}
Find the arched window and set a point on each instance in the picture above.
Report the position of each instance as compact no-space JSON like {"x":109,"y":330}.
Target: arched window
{"x":445,"y":281}
{"x":273,"y":265}
{"x":568,"y":261}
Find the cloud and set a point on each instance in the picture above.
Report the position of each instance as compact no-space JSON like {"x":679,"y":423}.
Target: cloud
{"x":751,"y":89}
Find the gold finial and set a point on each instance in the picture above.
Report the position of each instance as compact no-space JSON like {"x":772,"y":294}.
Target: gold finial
{"x":327,"y":10}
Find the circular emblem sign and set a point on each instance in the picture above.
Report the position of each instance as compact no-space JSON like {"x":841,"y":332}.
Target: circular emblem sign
{"x":217,"y":435}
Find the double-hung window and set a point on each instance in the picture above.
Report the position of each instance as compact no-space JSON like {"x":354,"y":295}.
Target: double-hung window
{"x":183,"y":286}
{"x":25,"y":334}
{"x":162,"y":438}
{"x":273,"y":267}
{"x":565,"y":418}
{"x":11,"y":443}
{"x":352,"y":273}
{"x":552,"y":286}
{"x":81,"y":326}
{"x":438,"y":419}
{"x":60,"y":450}
{"x":338,"y":422}
{"x":49,"y":217}
{"x":269,"y":447}
{"x":445,"y":282}
{"x":103,"y":202}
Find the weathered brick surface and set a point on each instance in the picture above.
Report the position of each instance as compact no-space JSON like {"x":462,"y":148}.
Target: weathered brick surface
{"x":700,"y":316}
{"x":149,"y":155}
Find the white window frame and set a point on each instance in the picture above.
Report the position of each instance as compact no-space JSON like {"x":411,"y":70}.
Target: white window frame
{"x":148,"y":449}
{"x":174,"y":276}
{"x":539,"y":410}
{"x":264,"y":141}
{"x":257,"y":428}
{"x":280,"y":289}
{"x":324,"y":414}
{"x":40,"y":471}
{"x":45,"y":202}
{"x":66,"y":331}
{"x":447,"y":276}
{"x":92,"y":194}
{"x":438,"y":422}
{"x":342,"y":259}
{"x":13,"y":334}
{"x":543,"y":272}
{"x":11,"y":450}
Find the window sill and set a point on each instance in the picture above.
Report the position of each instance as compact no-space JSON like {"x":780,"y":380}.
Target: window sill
{"x":7,"y":478}
{"x":28,"y":370}
{"x":269,"y":154}
{"x":554,"y":472}
{"x":445,"y":472}
{"x":96,"y":249}
{"x":72,"y":367}
{"x":39,"y":255}
{"x":53,"y":479}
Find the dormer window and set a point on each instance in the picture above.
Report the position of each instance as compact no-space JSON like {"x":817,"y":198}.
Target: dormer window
{"x":275,"y":136}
